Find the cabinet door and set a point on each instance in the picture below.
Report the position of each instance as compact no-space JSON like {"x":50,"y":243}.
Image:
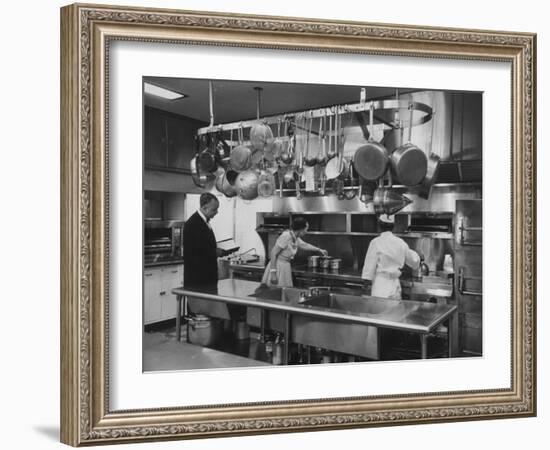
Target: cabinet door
{"x":151,"y":298}
{"x":154,"y":126}
{"x":180,"y":141}
{"x":172,"y":277}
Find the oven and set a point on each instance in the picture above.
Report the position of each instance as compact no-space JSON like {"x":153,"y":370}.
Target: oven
{"x":163,"y":240}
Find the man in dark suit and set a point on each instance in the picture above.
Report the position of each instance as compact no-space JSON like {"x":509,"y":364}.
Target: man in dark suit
{"x":200,"y":252}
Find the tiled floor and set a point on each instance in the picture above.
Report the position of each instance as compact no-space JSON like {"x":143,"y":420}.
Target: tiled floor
{"x":161,"y":351}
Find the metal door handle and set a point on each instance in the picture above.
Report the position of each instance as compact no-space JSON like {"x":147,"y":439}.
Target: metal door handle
{"x":464,"y":229}
{"x":462,"y":281}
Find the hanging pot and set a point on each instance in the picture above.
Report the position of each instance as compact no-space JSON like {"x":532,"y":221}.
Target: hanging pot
{"x":260,"y":136}
{"x":388,"y":201}
{"x":225,"y":183}
{"x":240,"y":155}
{"x":266,"y":184}
{"x":246,"y":184}
{"x":408,"y":162}
{"x":273,"y":150}
{"x":206,"y":160}
{"x":431,"y":176}
{"x":371,"y":159}
{"x":194,"y":172}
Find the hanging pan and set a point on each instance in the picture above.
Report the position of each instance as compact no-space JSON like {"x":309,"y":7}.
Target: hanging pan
{"x":408,"y":162}
{"x":371,"y":159}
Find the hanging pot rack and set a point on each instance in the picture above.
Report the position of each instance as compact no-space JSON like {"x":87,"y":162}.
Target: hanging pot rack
{"x":385,"y":114}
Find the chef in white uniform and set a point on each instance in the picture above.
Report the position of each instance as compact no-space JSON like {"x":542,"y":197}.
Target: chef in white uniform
{"x":386,"y":256}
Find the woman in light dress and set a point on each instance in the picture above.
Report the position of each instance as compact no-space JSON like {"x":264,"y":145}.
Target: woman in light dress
{"x":279,"y":271}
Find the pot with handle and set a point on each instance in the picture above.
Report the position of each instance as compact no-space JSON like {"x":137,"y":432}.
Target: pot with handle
{"x":408,"y":162}
{"x":371,"y":159}
{"x":260,"y":136}
{"x":206,"y":160}
{"x":431,"y":176}
{"x":266,"y":184}
{"x":246,"y":184}
{"x":273,"y":150}
{"x":240,"y":155}
{"x":225,"y":182}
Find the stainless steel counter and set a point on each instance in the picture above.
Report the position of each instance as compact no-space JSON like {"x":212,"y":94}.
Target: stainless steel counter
{"x":407,"y":315}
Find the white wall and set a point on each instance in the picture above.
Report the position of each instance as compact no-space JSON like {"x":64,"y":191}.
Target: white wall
{"x":30,"y":186}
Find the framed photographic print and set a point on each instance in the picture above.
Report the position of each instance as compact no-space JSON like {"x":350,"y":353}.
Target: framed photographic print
{"x":256,"y":208}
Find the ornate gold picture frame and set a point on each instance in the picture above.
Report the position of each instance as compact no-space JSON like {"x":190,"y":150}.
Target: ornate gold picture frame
{"x":87,"y":32}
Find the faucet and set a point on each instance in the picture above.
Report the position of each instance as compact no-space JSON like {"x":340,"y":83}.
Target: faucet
{"x":316,"y":290}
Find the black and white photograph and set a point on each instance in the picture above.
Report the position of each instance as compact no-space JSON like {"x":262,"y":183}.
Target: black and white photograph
{"x":299,"y":224}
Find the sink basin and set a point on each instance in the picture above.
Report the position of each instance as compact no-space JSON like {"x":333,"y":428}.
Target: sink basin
{"x":350,"y":338}
{"x":287,"y":295}
{"x":349,"y":303}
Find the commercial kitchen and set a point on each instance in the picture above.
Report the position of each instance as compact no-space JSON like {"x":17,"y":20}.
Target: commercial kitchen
{"x":338,"y":158}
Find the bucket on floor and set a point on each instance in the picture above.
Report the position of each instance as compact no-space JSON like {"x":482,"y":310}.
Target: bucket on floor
{"x":204,"y":330}
{"x":242,"y":331}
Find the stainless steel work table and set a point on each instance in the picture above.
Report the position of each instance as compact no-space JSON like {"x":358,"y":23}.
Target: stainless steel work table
{"x":406,"y":315}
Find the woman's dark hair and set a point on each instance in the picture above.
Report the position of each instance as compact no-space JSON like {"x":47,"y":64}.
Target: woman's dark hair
{"x":299,"y":223}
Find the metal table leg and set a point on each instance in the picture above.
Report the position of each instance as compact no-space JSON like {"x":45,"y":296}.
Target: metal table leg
{"x":424,"y":346}
{"x":178,"y":317}
{"x":186,"y":316}
{"x":287,"y":338}
{"x":450,"y":337}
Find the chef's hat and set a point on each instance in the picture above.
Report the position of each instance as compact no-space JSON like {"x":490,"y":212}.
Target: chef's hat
{"x":385,"y":218}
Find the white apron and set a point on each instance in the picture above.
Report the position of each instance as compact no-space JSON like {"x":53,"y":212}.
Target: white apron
{"x":288,"y":243}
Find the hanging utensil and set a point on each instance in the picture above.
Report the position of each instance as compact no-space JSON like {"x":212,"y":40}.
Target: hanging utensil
{"x":287,"y":155}
{"x":371,"y":159}
{"x":432,"y":170}
{"x":350,"y":193}
{"x":322,"y":155}
{"x":332,"y":136}
{"x":408,"y":162}
{"x":309,"y":160}
{"x":337,"y":166}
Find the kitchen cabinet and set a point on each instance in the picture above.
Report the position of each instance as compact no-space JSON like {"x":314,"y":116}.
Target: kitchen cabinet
{"x":151,"y":300}
{"x":169,"y":140}
{"x":159,"y":303}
